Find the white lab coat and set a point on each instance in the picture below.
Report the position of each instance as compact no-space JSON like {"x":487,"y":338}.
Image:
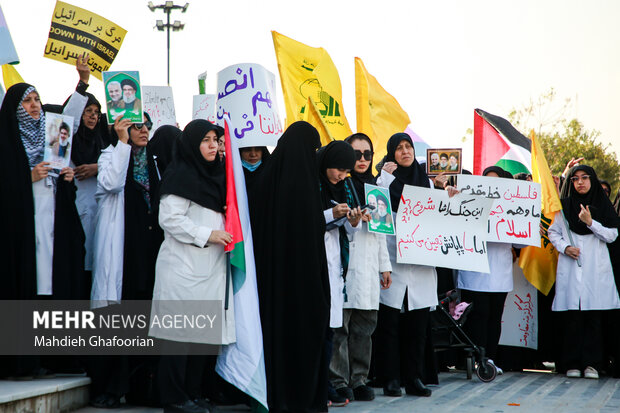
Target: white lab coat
{"x":109,"y":244}
{"x":419,"y":282}
{"x":186,"y":269}
{"x":368,"y":258}
{"x":499,"y":280}
{"x":334,"y":267}
{"x":44,"y":197}
{"x":591,"y":286}
{"x":87,"y":209}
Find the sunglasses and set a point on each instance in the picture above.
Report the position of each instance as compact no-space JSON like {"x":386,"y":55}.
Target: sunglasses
{"x":367,"y":154}
{"x":139,"y":126}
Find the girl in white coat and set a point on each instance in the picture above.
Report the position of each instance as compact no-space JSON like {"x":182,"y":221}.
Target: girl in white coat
{"x":368,"y":272}
{"x":584,"y":288}
{"x":191,"y":264}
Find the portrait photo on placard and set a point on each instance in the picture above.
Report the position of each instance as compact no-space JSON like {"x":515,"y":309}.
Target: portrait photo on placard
{"x":123,"y":96}
{"x":446,"y":160}
{"x":380,"y":210}
{"x":58,"y":141}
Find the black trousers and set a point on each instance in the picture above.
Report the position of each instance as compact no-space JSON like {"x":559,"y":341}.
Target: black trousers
{"x":401,"y":340}
{"x":181,"y":376}
{"x":484,"y":322}
{"x":583,"y":339}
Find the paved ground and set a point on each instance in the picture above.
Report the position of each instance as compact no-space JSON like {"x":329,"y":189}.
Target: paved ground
{"x":510,"y":393}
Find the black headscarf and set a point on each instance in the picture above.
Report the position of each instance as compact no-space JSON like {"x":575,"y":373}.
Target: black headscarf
{"x":250,"y":176}
{"x":601,"y":208}
{"x":192,"y":177}
{"x":412,"y":175}
{"x":501,"y":173}
{"x":366,"y":177}
{"x":291,"y":270}
{"x":88,"y":143}
{"x":339,"y":155}
{"x":163,"y":146}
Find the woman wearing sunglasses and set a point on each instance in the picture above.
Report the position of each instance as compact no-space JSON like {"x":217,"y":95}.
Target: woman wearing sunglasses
{"x":584,"y":281}
{"x":127,"y":239}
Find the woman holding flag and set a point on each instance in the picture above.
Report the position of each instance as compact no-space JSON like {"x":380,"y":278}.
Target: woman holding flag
{"x":191,"y":264}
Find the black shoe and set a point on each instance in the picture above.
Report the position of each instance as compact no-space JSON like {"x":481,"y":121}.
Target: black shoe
{"x":106,"y":401}
{"x":336,"y":399}
{"x":346,"y":392}
{"x":206,"y":404}
{"x":186,"y":407}
{"x":417,"y":388}
{"x":392,"y":389}
{"x":364,"y":393}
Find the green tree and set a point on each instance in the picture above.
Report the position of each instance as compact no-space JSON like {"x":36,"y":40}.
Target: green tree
{"x":562,"y":138}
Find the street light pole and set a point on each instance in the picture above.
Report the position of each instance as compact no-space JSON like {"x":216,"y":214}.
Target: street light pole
{"x":167,"y":7}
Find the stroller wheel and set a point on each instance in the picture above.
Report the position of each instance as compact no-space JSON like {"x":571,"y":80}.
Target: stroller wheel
{"x":486,"y":372}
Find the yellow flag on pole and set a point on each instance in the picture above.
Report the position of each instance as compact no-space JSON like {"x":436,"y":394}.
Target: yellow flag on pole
{"x":539,"y":264}
{"x":10,"y":76}
{"x":309,"y":72}
{"x":378,"y":113}
{"x":313,"y":117}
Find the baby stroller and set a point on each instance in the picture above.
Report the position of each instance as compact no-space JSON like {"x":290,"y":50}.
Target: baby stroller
{"x":447,"y":331}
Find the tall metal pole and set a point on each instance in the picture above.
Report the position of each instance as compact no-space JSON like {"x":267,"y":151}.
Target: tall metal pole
{"x":168,"y":31}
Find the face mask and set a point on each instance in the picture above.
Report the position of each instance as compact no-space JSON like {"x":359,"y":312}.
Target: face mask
{"x":251,"y":167}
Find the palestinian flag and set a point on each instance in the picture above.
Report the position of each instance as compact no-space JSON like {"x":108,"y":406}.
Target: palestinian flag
{"x":242,"y":363}
{"x":497,"y":142}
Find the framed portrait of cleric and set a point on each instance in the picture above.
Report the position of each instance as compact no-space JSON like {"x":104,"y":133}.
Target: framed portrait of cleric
{"x":378,"y":201}
{"x":123,"y":96}
{"x":58,"y":141}
{"x":446,"y":160}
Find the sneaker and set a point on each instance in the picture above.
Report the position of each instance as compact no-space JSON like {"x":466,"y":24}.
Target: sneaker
{"x":499,"y":370}
{"x":575,"y":374}
{"x":346,"y":392}
{"x":336,"y":400}
{"x":364,"y":393}
{"x":590,"y":373}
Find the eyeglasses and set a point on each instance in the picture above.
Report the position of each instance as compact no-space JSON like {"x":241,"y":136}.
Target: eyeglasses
{"x":580,"y":178}
{"x":367,"y":154}
{"x":89,"y":112}
{"x":139,"y":126}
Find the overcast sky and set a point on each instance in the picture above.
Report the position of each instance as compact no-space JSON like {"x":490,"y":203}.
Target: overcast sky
{"x":439,"y":59}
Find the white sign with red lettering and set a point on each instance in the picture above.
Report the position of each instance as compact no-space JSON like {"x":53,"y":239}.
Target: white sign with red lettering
{"x":515,"y":215}
{"x":520,"y":318}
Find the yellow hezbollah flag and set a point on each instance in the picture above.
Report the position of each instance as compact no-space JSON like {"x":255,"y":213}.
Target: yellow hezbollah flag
{"x":378,"y":114}
{"x":75,"y":31}
{"x":10,"y":76}
{"x":539,"y":264}
{"x":308,"y":72}
{"x":313,"y":117}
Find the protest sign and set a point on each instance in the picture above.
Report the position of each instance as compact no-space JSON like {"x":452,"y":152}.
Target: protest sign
{"x":378,"y":199}
{"x":433,"y":229}
{"x":515,"y":216}
{"x":58,"y":141}
{"x":247,"y":92}
{"x":123,"y":96}
{"x":204,"y":107}
{"x":520,"y":318}
{"x":75,"y":31}
{"x":446,"y":160}
{"x":159,"y":104}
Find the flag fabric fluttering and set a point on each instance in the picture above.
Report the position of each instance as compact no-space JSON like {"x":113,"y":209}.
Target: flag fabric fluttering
{"x":539,"y":264}
{"x":379,"y":115}
{"x":313,"y":117}
{"x":10,"y":76}
{"x":8,"y":54}
{"x":497,"y":142}
{"x":309,"y":72}
{"x":242,"y":363}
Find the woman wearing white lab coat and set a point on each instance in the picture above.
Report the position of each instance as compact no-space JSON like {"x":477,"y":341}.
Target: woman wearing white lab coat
{"x":412,"y":292}
{"x":584,"y":288}
{"x":191,"y":264}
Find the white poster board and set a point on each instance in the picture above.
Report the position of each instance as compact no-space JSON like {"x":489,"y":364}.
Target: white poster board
{"x":247,"y":92}
{"x":159,"y":104}
{"x":515,"y":215}
{"x":204,"y":107}
{"x":520,"y":318}
{"x":434,"y":229}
